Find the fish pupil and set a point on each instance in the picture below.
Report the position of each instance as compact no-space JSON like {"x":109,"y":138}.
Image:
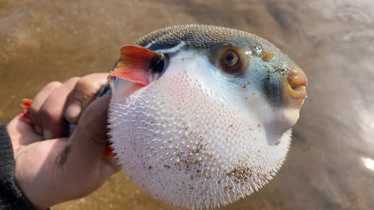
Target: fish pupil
{"x":159,"y":67}
{"x":230,"y":58}
{"x":230,"y":62}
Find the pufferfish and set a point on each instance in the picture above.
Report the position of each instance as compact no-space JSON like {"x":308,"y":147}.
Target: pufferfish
{"x":201,"y":116}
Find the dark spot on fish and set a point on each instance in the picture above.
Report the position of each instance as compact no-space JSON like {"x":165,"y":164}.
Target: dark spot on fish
{"x":227,"y":189}
{"x":197,"y":150}
{"x":279,"y":71}
{"x":272,"y":86}
{"x":241,"y":174}
{"x":246,"y":85}
{"x":61,"y":159}
{"x":166,"y":166}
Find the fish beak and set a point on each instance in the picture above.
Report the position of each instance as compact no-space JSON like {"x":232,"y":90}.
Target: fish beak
{"x":293,"y":88}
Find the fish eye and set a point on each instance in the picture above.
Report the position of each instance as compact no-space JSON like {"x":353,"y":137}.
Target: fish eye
{"x":159,"y":67}
{"x":230,"y":62}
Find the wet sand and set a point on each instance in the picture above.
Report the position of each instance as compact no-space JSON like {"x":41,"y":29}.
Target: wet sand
{"x":328,"y":166}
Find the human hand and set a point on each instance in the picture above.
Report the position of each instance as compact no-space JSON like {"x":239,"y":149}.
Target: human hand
{"x":50,"y":167}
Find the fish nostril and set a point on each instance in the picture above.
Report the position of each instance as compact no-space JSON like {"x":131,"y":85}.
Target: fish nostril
{"x":297,"y":81}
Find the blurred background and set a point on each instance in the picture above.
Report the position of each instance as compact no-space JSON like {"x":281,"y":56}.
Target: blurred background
{"x":330,"y":164}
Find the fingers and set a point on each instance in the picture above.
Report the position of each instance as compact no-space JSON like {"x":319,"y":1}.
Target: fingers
{"x":57,"y":101}
{"x":49,"y":117}
{"x":89,"y":140}
{"x":44,"y":168}
{"x":20,"y":134}
{"x":84,"y":93}
{"x":90,"y":136}
{"x":39,"y":100}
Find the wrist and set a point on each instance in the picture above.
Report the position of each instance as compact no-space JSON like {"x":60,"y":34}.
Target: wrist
{"x":11,"y":197}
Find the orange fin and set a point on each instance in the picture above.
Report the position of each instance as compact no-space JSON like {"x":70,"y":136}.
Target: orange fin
{"x":25,"y":116}
{"x":135,"y":64}
{"x":108,"y":152}
{"x":137,"y":76}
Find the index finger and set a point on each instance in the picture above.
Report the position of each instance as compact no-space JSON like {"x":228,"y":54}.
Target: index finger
{"x":84,"y":93}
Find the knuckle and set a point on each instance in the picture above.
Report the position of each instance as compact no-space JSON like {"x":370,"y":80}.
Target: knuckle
{"x":83,"y":86}
{"x":84,"y":81}
{"x":87,"y":88}
{"x":53,"y":84}
{"x":97,"y":76}
{"x":33,"y":109}
{"x":94,"y":80}
{"x":73,"y":80}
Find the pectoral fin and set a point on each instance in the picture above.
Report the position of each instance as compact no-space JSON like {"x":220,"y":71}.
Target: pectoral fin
{"x":135,"y":63}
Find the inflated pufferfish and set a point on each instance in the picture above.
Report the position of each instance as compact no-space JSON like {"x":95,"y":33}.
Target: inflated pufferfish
{"x":201,"y":116}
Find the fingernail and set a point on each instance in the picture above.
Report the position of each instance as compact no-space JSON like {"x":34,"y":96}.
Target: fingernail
{"x":73,"y":110}
{"x":47,"y":134}
{"x":38,"y":130}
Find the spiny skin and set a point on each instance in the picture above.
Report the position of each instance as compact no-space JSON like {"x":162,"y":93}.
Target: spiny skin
{"x":198,"y":136}
{"x":196,"y":36}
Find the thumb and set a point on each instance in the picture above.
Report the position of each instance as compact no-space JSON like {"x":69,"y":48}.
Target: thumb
{"x":90,"y":136}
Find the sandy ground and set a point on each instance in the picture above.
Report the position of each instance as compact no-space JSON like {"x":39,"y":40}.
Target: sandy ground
{"x":328,"y":166}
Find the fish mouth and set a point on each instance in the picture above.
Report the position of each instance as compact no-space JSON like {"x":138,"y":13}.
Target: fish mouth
{"x":294,"y":88}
